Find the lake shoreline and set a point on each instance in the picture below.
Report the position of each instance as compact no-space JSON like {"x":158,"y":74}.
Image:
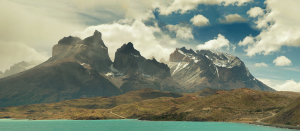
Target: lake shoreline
{"x":276,"y":125}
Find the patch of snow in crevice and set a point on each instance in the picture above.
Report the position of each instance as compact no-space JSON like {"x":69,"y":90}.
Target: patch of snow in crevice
{"x":146,"y":75}
{"x":114,"y":72}
{"x":181,"y":52}
{"x":217,"y":71}
{"x":177,"y":67}
{"x":135,"y":55}
{"x":195,"y":59}
{"x":185,"y":65}
{"x":85,"y":64}
{"x":109,"y":74}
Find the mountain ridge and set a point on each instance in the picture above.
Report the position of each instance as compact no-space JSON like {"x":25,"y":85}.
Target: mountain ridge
{"x":198,"y":70}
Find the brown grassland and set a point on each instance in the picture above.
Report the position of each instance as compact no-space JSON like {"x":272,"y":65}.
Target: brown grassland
{"x":239,"y":105}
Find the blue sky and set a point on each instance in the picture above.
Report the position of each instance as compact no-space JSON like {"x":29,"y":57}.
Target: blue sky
{"x":265,"y":34}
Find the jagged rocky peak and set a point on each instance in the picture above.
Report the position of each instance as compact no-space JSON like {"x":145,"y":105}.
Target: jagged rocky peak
{"x":125,"y":55}
{"x":211,"y":69}
{"x":129,"y":49}
{"x":185,"y":51}
{"x":221,"y":59}
{"x":69,"y":40}
{"x":95,"y":40}
{"x":183,"y":55}
{"x":90,"y":51}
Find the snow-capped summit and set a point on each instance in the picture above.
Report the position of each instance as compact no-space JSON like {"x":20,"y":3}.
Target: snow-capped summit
{"x":196,"y":70}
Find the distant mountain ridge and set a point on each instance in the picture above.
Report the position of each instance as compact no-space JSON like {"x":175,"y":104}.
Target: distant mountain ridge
{"x":205,"y":68}
{"x":82,"y":68}
{"x":18,"y":67}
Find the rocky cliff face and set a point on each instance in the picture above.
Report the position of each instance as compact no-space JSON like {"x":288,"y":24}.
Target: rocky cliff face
{"x":74,"y":71}
{"x":198,"y":70}
{"x":136,"y":72}
{"x":90,"y":51}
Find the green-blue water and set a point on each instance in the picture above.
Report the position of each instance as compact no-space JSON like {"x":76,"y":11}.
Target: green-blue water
{"x":126,"y":125}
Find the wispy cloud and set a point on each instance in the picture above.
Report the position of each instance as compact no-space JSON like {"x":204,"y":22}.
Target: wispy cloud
{"x":292,"y":69}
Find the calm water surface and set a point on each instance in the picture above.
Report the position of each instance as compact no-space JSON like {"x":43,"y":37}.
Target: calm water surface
{"x":126,"y":125}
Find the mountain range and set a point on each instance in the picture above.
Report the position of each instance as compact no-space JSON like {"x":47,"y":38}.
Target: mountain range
{"x":82,"y":68}
{"x":196,"y":70}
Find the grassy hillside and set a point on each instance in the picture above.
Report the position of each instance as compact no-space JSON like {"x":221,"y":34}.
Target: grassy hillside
{"x":82,"y":108}
{"x":235,"y":105}
{"x":289,"y":115}
{"x":239,"y":105}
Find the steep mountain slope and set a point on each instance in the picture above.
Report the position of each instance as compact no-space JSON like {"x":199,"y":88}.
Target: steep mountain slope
{"x":134,"y":72}
{"x":72,"y":72}
{"x":198,"y":70}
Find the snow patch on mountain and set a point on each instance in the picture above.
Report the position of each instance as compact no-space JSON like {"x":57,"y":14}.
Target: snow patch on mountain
{"x":114,"y":72}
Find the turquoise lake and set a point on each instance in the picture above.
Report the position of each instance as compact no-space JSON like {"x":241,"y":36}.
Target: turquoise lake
{"x":126,"y":125}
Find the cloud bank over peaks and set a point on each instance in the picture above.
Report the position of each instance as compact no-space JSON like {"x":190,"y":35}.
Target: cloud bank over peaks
{"x":143,"y":38}
{"x":199,"y":20}
{"x":14,"y":52}
{"x":282,"y":61}
{"x":215,"y":44}
{"x":280,"y":26}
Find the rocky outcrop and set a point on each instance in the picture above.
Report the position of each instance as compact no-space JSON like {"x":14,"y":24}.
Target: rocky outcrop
{"x":126,"y":55}
{"x":176,"y":56}
{"x":201,"y":69}
{"x":136,"y":72}
{"x":91,"y":50}
{"x":75,"y":70}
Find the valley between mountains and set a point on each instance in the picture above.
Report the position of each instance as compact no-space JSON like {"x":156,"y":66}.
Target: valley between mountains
{"x":81,"y":82}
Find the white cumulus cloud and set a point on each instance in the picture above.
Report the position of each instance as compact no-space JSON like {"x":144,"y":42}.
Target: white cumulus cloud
{"x":214,"y":44}
{"x":282,"y":61}
{"x":262,"y":64}
{"x":280,"y":27}
{"x":184,"y":6}
{"x":232,"y":18}
{"x":247,"y":40}
{"x":142,"y":36}
{"x":289,"y":85}
{"x":199,"y":20}
{"x":255,"y":11}
{"x":181,"y":31}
